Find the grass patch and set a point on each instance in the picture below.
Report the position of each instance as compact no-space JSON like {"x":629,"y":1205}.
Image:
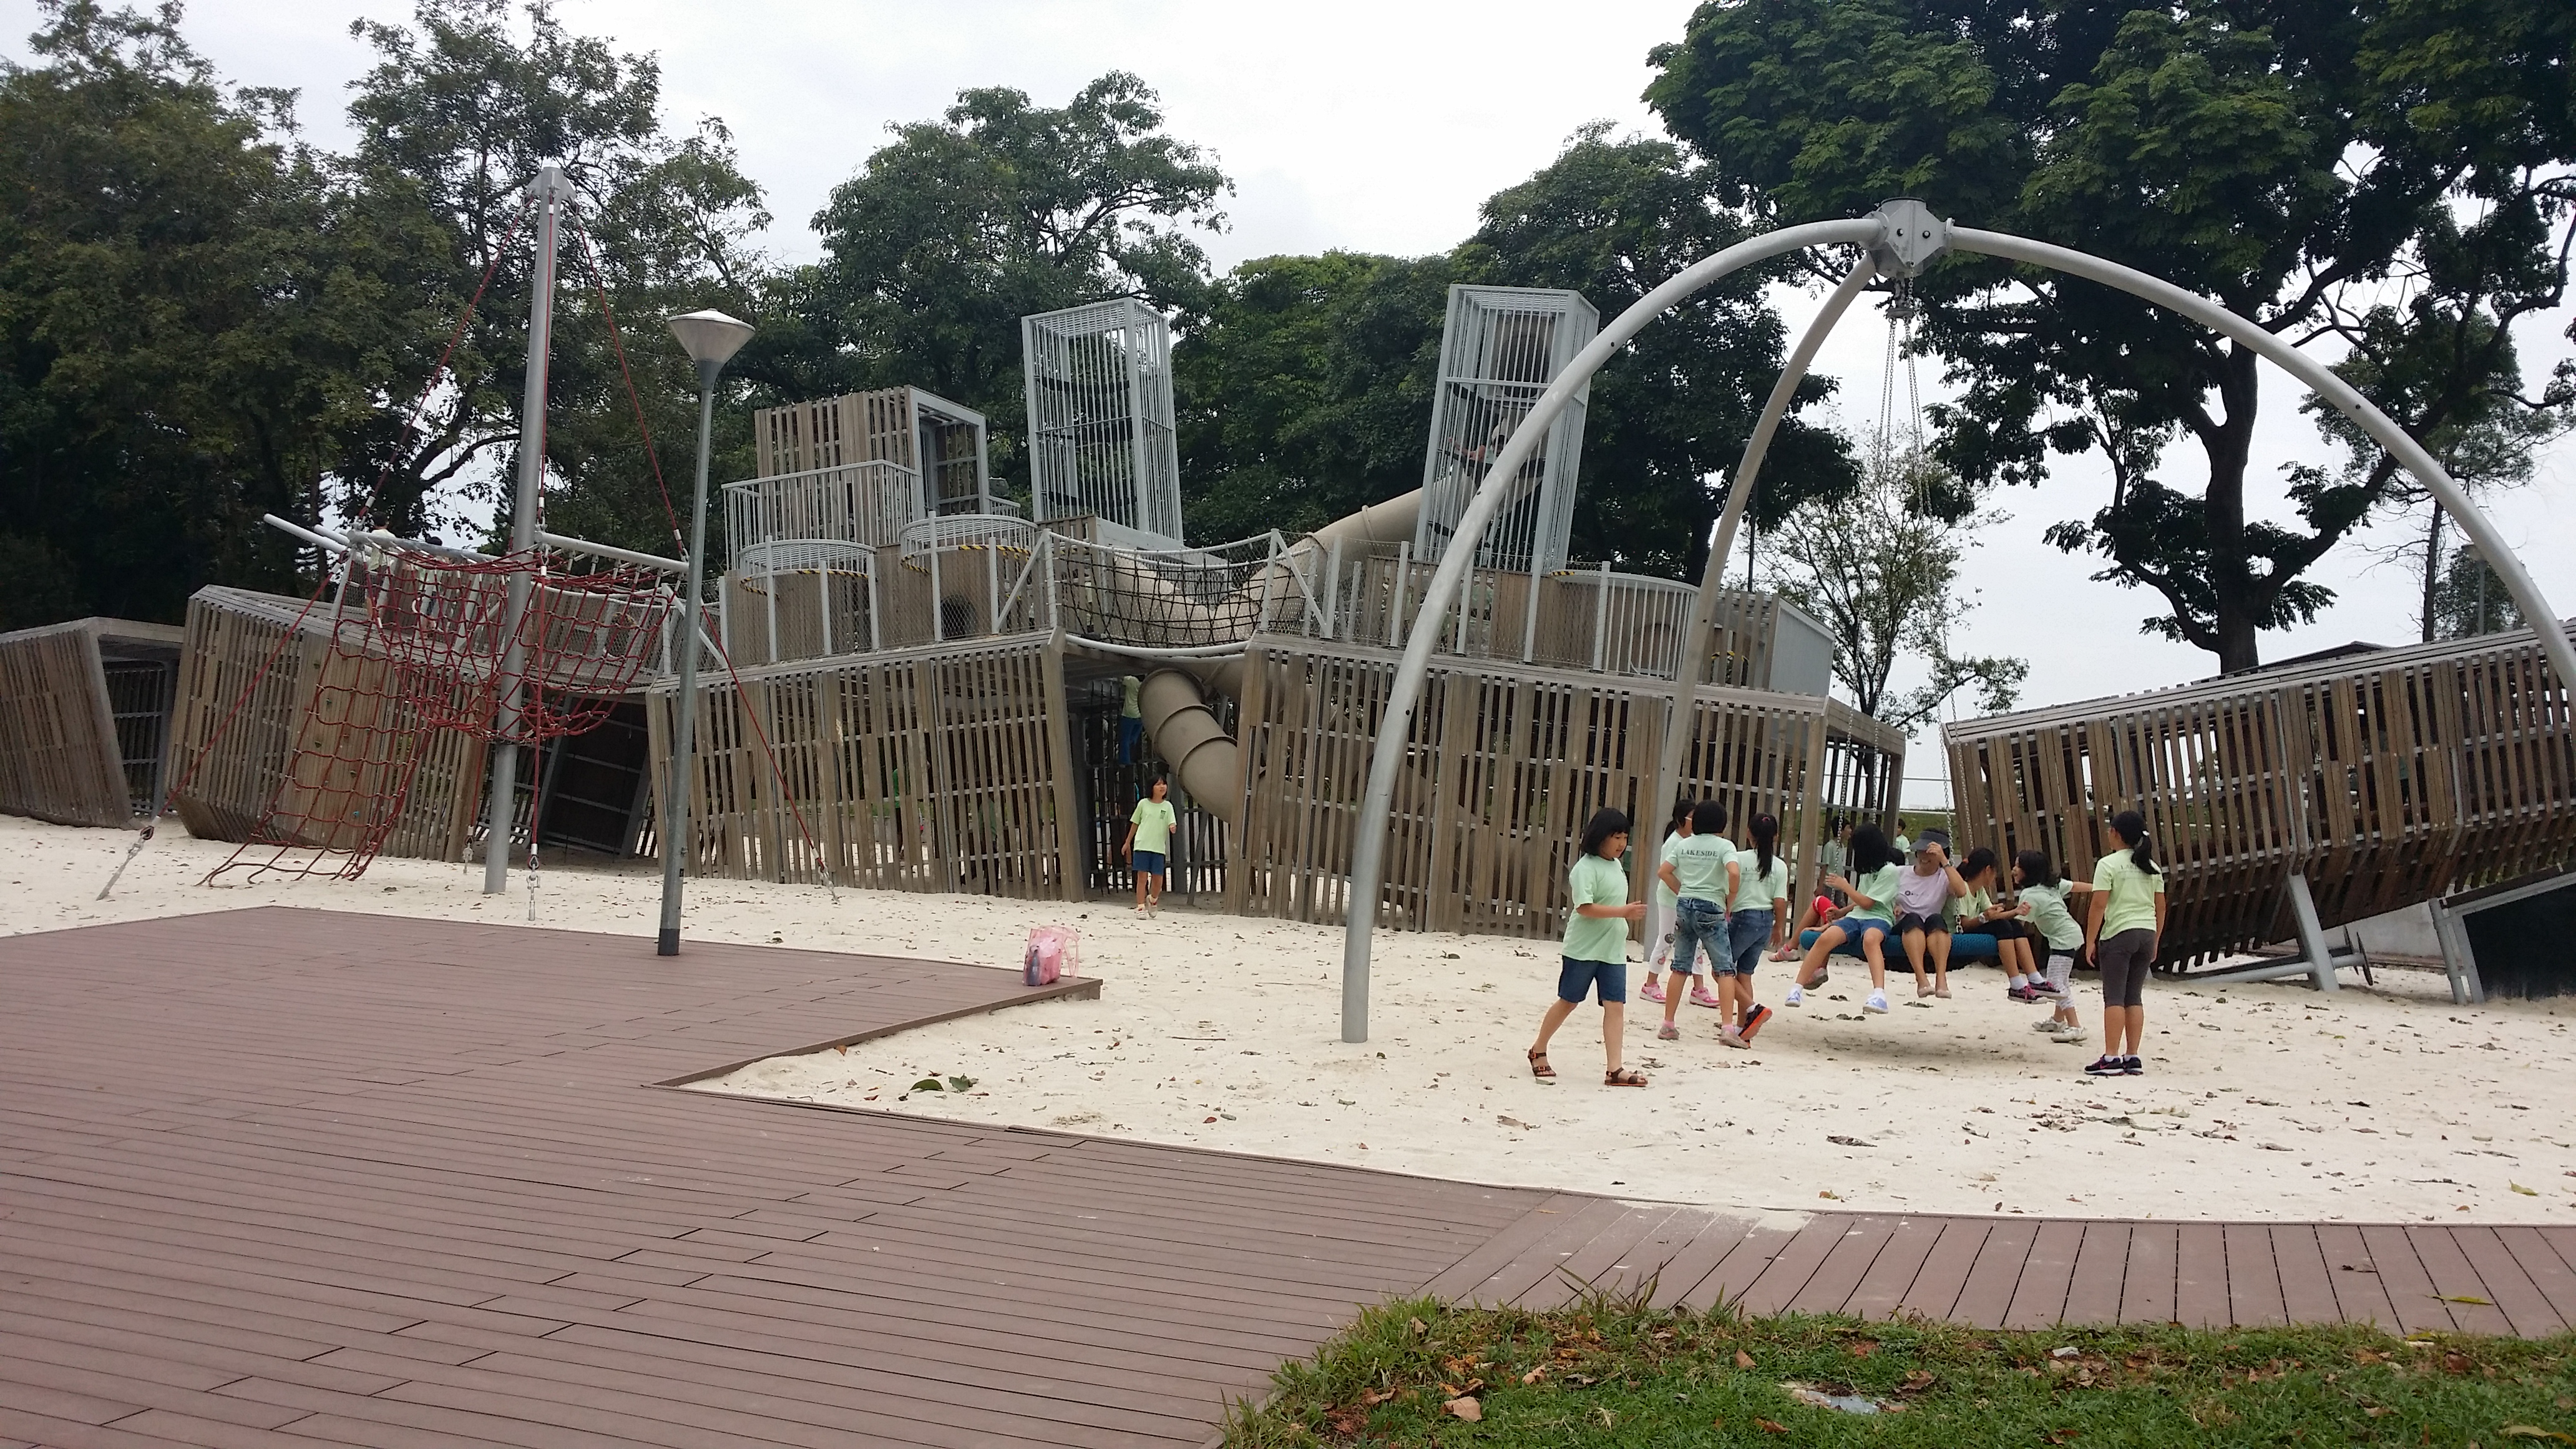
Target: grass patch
{"x":1613,"y":1372}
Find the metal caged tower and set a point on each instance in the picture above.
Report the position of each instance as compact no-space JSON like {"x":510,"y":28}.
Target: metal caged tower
{"x":1100,"y":421}
{"x":1500,"y":349}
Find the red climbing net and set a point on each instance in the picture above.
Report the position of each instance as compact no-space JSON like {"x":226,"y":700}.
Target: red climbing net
{"x":426,"y":649}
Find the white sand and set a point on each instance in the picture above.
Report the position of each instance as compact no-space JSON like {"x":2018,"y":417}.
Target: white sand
{"x":2262,"y":1101}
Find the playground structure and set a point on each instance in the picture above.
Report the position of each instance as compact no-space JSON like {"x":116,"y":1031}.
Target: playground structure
{"x":85,"y":719}
{"x":2288,"y":801}
{"x":1401,"y":718}
{"x":927,"y":701}
{"x":1898,"y":241}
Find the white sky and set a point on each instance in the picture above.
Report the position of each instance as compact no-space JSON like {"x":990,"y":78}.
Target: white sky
{"x":1372,"y":127}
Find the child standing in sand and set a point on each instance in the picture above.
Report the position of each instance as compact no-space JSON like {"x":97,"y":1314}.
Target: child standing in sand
{"x":2043,"y":904}
{"x":2128,"y":917}
{"x":1595,"y":951}
{"x":1755,"y":918}
{"x":1700,"y":871}
{"x":1149,"y":841}
{"x":1659,"y":914}
{"x":1873,"y":907}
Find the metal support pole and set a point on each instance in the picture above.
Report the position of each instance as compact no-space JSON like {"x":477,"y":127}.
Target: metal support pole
{"x":1739,"y":494}
{"x":675,"y":831}
{"x":549,"y":189}
{"x":1368,"y":844}
{"x":1601,"y":620}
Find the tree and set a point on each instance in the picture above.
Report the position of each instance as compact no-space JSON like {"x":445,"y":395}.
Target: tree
{"x":2283,"y":158}
{"x":2489,"y":442}
{"x":1305,"y":394}
{"x":186,"y":310}
{"x":2470,"y":600}
{"x":1001,"y":208}
{"x":1882,"y":574}
{"x":1613,"y":219}
{"x":453,"y":120}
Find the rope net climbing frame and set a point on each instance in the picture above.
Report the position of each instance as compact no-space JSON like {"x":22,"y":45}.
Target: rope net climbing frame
{"x":517,"y":649}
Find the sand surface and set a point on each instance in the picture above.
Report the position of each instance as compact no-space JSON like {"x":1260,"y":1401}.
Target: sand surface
{"x":2261,"y":1101}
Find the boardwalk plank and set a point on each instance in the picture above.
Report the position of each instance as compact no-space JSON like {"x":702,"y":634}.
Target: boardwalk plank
{"x":2200,"y":1276}
{"x":2354,"y":1277}
{"x":2412,"y":1298}
{"x":2253,"y":1278}
{"x":2147,"y":1289}
{"x":2093,"y":1288}
{"x":2307,"y":1285}
{"x":1935,"y":1289}
{"x":1892,"y":1272}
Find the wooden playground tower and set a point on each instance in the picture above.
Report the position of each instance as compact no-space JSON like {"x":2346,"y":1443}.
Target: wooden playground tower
{"x":918,"y":681}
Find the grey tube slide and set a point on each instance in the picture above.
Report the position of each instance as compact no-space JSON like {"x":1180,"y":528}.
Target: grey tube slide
{"x":1178,"y":721}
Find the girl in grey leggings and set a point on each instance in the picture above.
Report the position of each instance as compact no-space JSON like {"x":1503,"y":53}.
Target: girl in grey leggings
{"x":2127,"y":917}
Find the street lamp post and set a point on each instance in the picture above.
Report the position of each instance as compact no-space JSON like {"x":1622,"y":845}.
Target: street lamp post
{"x":709,"y":337}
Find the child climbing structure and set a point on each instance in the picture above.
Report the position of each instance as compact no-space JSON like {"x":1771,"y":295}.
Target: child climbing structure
{"x":942,"y":689}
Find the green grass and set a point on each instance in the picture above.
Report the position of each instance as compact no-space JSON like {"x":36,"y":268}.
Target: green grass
{"x":1613,"y":1373}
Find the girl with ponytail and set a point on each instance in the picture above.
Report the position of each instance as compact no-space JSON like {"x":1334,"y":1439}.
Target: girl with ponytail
{"x":2128,"y":916}
{"x":1756,"y":918}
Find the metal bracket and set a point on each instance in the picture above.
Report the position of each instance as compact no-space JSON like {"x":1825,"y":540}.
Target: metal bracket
{"x":1910,"y":239}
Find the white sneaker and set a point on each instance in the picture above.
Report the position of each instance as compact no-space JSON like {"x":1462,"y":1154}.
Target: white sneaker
{"x":1877,"y":1002}
{"x":1797,"y":997}
{"x":2050,"y":1027}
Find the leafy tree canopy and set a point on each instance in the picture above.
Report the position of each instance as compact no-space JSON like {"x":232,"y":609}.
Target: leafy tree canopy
{"x":184,"y":334}
{"x":1001,"y":208}
{"x":2286,"y":158}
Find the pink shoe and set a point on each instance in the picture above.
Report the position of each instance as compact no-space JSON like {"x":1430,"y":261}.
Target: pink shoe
{"x":1653,"y":990}
{"x":1700,"y":996}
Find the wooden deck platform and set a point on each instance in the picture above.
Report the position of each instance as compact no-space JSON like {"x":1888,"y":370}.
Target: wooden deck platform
{"x":279,"y":1177}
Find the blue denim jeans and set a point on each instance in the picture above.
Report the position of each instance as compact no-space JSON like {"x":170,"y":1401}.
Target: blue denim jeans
{"x":1747,"y":933}
{"x":1698,"y":925}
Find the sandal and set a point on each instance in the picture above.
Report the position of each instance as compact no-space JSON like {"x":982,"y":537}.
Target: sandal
{"x":1623,"y":1078}
{"x":1539,"y":1067}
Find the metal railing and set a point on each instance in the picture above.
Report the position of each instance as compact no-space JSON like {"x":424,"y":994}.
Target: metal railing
{"x":864,"y":503}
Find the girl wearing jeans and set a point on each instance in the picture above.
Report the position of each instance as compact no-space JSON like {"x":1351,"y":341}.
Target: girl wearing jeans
{"x":2128,"y":916}
{"x":1701,"y":873}
{"x":1596,"y":947}
{"x":1754,"y":919}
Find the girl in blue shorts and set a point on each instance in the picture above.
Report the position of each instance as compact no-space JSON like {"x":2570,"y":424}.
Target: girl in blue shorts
{"x":1871,"y":888}
{"x":1596,"y":947}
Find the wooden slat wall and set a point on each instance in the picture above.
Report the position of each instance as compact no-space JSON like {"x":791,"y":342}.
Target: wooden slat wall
{"x":231,"y":742}
{"x":934,"y":770}
{"x":59,"y":759}
{"x":2400,"y":778}
{"x":1503,"y":767}
{"x":858,"y":427}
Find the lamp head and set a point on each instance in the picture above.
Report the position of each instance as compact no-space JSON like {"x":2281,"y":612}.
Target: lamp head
{"x":710,"y":337}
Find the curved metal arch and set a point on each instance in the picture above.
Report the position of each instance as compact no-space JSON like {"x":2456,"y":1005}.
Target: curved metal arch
{"x":1881,"y":237}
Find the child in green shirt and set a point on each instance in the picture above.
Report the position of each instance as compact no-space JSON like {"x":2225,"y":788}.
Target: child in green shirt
{"x":1149,"y":842}
{"x":1595,"y":948}
{"x":1873,"y":910}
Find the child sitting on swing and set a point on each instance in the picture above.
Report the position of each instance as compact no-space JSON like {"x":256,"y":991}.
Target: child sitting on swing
{"x":1873,"y":908}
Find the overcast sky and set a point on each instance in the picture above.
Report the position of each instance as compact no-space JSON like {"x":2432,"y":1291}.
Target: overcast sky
{"x":1371,"y":127}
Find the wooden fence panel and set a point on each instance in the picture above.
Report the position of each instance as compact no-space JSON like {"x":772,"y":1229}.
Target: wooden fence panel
{"x":2386,"y":780}
{"x":59,"y":759}
{"x":929,"y":770}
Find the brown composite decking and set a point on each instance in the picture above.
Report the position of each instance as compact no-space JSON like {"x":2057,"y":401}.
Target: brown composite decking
{"x":274,"y":1177}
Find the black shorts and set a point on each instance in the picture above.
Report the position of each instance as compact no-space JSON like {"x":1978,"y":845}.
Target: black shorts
{"x":2006,"y":930}
{"x":1926,"y":924}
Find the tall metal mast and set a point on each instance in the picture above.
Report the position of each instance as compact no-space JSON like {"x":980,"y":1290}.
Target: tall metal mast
{"x":549,"y":188}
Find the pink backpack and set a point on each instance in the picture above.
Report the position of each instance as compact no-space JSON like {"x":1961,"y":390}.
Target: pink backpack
{"x":1053,"y":953}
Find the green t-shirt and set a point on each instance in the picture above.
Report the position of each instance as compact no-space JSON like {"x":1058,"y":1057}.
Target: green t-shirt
{"x":1153,"y":820}
{"x":1975,"y":902}
{"x":1663,"y":895}
{"x":1130,"y":701}
{"x":1596,"y":882}
{"x":1700,"y":861}
{"x":2132,"y":894}
{"x":2048,"y":912}
{"x":1880,"y":886}
{"x":1756,"y":890}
